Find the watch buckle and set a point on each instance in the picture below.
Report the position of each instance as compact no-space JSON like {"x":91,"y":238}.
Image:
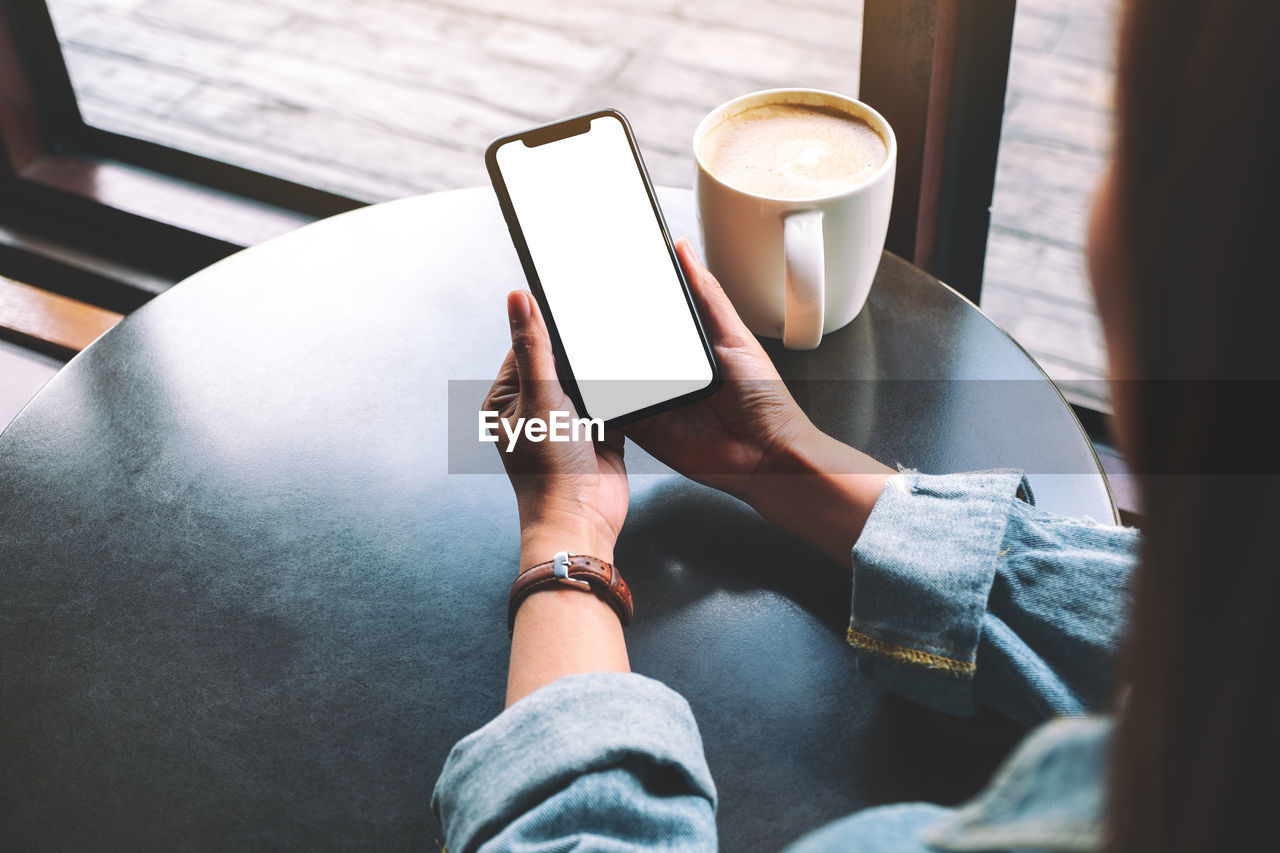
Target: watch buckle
{"x":560,"y":569}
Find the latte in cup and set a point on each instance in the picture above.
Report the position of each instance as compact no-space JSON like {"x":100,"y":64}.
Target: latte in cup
{"x":793,"y":151}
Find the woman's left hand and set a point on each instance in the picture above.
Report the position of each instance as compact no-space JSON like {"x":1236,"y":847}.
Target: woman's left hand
{"x":572,"y":495}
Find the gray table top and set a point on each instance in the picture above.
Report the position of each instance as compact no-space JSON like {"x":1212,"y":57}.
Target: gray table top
{"x":244,"y":602}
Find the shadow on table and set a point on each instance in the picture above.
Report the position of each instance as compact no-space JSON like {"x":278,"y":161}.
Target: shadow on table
{"x":748,"y":624}
{"x":684,"y":542}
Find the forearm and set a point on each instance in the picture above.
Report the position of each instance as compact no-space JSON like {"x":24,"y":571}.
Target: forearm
{"x":820,"y":490}
{"x":562,"y":631}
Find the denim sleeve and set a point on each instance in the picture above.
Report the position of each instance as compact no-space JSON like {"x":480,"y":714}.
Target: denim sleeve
{"x":1049,"y":794}
{"x":966,"y":594}
{"x":594,"y":761}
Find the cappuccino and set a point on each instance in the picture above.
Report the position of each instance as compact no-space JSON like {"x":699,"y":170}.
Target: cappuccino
{"x":793,"y":151}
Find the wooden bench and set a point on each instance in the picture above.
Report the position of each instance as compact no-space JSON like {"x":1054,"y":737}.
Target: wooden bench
{"x":50,"y":323}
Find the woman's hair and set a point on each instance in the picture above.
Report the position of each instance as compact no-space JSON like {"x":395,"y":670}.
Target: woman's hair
{"x":1197,"y":192}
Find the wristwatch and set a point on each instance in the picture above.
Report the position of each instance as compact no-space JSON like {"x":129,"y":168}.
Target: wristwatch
{"x":589,"y":574}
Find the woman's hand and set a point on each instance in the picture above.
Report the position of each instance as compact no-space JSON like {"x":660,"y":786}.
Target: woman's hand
{"x":730,"y":438}
{"x":572,"y":495}
{"x":751,"y":439}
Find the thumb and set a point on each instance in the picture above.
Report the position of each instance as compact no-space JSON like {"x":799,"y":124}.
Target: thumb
{"x":529,"y":339}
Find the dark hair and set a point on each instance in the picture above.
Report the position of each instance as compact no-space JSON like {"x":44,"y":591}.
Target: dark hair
{"x":1197,"y":191}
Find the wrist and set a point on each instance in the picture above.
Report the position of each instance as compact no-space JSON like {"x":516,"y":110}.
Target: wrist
{"x":820,"y":490}
{"x":540,"y":540}
{"x":787,"y":461}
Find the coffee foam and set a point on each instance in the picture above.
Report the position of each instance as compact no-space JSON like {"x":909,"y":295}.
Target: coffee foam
{"x":793,"y":151}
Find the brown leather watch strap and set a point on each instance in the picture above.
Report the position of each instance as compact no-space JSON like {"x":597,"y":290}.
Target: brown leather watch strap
{"x":574,"y":572}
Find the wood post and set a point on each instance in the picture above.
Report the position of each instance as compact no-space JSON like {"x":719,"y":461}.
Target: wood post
{"x":936,"y":70}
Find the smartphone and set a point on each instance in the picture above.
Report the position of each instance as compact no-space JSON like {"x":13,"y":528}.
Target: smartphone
{"x":586,"y":223}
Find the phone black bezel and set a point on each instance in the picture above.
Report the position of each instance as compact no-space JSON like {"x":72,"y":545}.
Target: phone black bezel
{"x":563,"y":129}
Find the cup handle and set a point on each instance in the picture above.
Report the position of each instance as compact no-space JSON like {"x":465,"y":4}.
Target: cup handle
{"x":803,"y":253}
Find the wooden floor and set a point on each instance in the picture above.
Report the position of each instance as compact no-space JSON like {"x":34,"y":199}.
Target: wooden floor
{"x":385,"y":98}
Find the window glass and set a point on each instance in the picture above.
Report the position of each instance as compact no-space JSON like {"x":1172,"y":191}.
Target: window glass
{"x":378,"y":99}
{"x":1055,"y":141}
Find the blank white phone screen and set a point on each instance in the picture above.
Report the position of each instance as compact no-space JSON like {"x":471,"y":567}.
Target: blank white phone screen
{"x":600,"y":256}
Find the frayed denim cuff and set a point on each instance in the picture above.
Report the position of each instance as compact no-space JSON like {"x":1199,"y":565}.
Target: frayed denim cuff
{"x":577,"y":725}
{"x":922,"y":574}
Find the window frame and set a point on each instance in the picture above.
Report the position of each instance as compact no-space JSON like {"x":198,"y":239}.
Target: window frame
{"x":107,"y":218}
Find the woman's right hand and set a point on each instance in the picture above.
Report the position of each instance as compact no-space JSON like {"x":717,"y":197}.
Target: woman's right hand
{"x":728,"y":439}
{"x":751,"y":439}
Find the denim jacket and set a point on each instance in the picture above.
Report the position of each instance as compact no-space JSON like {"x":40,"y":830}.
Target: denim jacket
{"x":964,"y":594}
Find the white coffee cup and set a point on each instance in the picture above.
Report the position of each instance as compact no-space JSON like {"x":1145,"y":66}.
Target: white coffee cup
{"x":795,"y":269}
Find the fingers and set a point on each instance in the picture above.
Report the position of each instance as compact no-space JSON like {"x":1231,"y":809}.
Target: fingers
{"x":529,"y":339}
{"x":723,"y":323}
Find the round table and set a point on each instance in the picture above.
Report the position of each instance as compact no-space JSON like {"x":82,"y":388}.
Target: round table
{"x":249,"y":597}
